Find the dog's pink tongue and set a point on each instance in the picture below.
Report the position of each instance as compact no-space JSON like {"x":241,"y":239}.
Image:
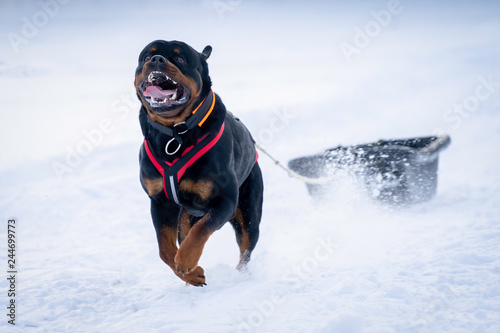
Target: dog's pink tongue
{"x":158,"y":93}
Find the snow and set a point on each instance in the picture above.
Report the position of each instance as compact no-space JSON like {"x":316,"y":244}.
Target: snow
{"x":87,"y":254}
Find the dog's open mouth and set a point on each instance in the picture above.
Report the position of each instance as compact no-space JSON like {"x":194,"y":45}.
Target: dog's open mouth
{"x":162,"y":93}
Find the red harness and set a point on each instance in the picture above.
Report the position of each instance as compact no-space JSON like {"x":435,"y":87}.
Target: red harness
{"x":174,"y":171}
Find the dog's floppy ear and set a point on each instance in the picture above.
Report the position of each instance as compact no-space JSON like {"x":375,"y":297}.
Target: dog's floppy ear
{"x":205,"y":54}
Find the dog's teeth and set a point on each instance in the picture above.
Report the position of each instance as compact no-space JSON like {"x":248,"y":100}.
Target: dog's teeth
{"x":170,"y":79}
{"x":174,"y":96}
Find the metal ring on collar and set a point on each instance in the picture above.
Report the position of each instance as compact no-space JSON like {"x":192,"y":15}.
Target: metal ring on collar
{"x":181,"y":123}
{"x":178,"y":143}
{"x":176,"y":149}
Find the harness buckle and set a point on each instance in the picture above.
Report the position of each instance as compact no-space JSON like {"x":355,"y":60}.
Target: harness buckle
{"x":181,"y":124}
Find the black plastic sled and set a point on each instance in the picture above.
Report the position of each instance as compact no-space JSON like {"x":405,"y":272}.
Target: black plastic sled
{"x":396,"y":172}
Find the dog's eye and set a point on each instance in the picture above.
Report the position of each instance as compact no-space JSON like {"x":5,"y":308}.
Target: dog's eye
{"x":147,"y":58}
{"x":179,"y":60}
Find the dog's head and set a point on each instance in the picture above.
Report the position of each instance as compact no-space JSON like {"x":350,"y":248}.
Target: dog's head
{"x":171,"y":80}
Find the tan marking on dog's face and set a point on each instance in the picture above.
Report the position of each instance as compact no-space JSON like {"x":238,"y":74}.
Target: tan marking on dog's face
{"x":153,"y":185}
{"x":202,"y":187}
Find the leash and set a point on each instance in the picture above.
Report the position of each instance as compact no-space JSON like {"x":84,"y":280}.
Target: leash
{"x":291,"y":173}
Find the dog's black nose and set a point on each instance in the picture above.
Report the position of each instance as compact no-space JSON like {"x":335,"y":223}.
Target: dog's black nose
{"x":158,"y":59}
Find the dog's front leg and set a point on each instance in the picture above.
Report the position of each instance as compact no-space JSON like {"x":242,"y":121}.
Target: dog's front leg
{"x":165,"y":222}
{"x":168,"y":251}
{"x":189,"y":253}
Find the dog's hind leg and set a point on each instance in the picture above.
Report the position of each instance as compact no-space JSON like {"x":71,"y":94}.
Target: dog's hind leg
{"x":248,"y":214}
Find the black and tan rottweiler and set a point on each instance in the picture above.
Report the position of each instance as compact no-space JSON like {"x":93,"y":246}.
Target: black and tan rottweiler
{"x":198,"y":162}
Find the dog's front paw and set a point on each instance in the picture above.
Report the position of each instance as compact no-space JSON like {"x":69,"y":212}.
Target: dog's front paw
{"x":196,"y":277}
{"x":186,"y":260}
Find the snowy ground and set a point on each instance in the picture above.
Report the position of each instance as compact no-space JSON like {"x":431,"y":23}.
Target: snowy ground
{"x":86,"y":252}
